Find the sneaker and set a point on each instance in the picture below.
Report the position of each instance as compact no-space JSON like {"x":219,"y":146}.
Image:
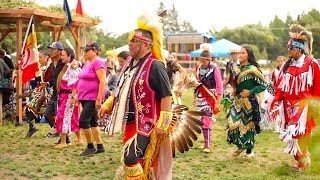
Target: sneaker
{"x":237,"y":152}
{"x":31,"y":132}
{"x":88,"y":152}
{"x":19,"y":124}
{"x":250,"y":155}
{"x":100,"y":150}
{"x":206,"y":150}
{"x":214,"y":120}
{"x":50,"y":135}
{"x":68,"y":141}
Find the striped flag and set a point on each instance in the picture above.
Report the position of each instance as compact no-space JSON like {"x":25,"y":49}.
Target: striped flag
{"x":68,"y":14}
{"x":30,"y":56}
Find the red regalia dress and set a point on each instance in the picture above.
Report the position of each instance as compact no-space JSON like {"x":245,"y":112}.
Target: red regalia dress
{"x":300,"y":82}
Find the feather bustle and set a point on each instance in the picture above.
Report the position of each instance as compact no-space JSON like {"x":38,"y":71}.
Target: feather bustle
{"x":187,"y":138}
{"x":193,"y":126}
{"x":191,"y":133}
{"x":173,"y":147}
{"x":195,"y":113}
{"x":179,"y":144}
{"x":183,"y":142}
{"x":195,"y":120}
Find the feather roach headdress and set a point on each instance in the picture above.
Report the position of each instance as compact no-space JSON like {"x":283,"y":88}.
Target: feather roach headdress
{"x":205,"y":47}
{"x":205,"y":54}
{"x":300,"y":38}
{"x":151,"y":23}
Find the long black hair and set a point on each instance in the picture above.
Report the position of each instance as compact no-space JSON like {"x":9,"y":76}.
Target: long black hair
{"x":70,"y":52}
{"x":251,"y":57}
{"x":124,"y":54}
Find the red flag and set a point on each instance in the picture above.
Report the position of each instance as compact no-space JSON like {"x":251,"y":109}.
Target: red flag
{"x":79,"y":8}
{"x":30,"y":60}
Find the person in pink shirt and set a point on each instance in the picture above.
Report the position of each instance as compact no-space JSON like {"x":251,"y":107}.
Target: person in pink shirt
{"x":91,"y":90}
{"x":209,"y":75}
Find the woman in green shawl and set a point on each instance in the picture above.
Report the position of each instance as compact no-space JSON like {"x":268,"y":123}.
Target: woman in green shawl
{"x":244,"y":114}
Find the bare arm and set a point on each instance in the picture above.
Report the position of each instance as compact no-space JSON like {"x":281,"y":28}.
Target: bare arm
{"x":101,"y":74}
{"x":182,"y":71}
{"x":165,"y":104}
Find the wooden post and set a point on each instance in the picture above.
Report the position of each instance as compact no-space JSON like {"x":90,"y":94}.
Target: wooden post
{"x":78,"y":43}
{"x":19,"y":73}
{"x":4,"y":35}
{"x":176,"y":49}
{"x":76,"y":34}
{"x":56,"y":34}
{"x":194,"y":48}
{"x":169,"y":48}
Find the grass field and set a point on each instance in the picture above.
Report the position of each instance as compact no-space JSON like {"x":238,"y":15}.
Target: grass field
{"x":35,"y":158}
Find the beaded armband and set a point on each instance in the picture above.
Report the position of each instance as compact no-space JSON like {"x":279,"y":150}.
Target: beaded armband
{"x":164,"y":120}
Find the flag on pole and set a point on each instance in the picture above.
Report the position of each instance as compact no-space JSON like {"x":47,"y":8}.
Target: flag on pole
{"x":79,"y":8}
{"x":68,"y":14}
{"x":30,"y":53}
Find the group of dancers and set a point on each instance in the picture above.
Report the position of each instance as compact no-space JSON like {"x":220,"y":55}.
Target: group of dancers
{"x":141,"y":105}
{"x":289,"y":100}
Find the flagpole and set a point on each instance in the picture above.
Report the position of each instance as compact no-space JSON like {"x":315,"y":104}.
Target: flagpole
{"x":18,"y":71}
{"x":37,"y":59}
{"x":26,"y":36}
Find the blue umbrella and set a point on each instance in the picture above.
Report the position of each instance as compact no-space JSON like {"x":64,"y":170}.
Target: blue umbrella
{"x":219,"y":48}
{"x":195,"y":53}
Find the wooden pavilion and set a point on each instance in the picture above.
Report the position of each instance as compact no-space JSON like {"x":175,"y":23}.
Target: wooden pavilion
{"x":15,"y":20}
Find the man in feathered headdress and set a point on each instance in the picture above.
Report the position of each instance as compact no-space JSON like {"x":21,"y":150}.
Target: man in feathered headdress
{"x":141,"y":104}
{"x":299,"y":80}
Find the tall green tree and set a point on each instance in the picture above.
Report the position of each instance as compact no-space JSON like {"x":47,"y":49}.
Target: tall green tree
{"x":253,"y":34}
{"x":279,"y":29}
{"x":311,"y":21}
{"x":186,"y":26}
{"x":172,"y":22}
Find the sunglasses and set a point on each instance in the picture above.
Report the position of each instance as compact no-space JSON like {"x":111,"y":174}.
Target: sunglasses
{"x":87,"y":50}
{"x":291,"y":48}
{"x":134,"y":41}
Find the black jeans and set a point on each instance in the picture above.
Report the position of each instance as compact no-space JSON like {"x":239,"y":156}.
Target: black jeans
{"x":89,"y":114}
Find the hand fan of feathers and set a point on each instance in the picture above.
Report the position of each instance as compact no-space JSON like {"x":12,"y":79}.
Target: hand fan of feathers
{"x":184,"y":83}
{"x":184,"y":127}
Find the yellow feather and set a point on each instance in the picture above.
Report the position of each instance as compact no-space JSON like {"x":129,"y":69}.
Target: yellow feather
{"x":153,"y":24}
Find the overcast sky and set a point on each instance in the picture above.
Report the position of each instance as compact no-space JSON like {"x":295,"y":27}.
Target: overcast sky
{"x":119,"y":16}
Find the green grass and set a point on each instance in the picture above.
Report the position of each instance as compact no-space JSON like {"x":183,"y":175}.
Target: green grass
{"x":35,"y":158}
